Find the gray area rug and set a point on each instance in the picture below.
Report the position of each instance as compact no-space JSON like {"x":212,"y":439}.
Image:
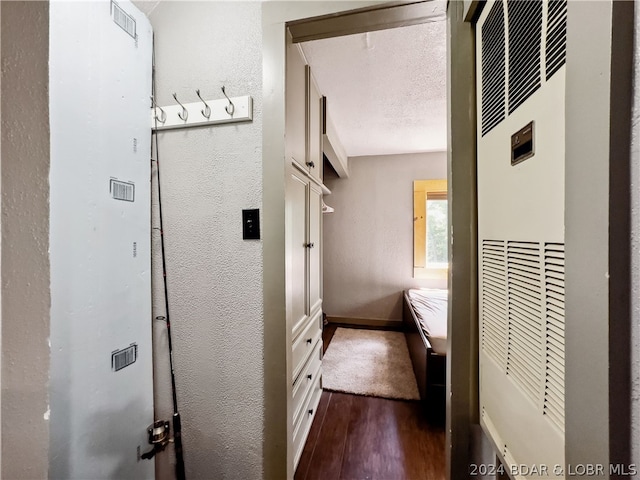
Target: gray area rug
{"x":369,"y":362}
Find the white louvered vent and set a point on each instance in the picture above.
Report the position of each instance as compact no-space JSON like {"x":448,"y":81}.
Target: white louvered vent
{"x":494,"y":301}
{"x":524,"y":353}
{"x":556,"y":44}
{"x":511,"y":78}
{"x":493,"y":68}
{"x":525,"y":36}
{"x":121,"y":18}
{"x":554,"y":352}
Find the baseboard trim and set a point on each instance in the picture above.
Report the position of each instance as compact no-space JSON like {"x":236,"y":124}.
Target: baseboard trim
{"x":366,"y":322}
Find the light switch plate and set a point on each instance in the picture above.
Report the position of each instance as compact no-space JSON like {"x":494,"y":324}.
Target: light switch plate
{"x":251,"y":224}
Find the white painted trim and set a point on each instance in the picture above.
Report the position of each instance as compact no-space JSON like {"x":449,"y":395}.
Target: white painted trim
{"x":333,"y":148}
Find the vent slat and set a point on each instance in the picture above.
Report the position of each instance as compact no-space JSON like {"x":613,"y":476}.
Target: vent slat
{"x":527,"y":307}
{"x":557,"y":331}
{"x":494,"y":290}
{"x":493,"y":274}
{"x":523,"y":286}
{"x":555,"y":306}
{"x":524,"y":382}
{"x":528,"y":277}
{"x":493,"y":309}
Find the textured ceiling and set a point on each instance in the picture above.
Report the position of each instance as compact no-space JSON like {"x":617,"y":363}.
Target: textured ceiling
{"x":386,"y":90}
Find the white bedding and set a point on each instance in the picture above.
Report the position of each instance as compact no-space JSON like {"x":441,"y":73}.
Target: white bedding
{"x":430,"y":306}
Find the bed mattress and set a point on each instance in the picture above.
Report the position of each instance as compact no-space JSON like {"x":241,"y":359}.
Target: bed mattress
{"x":430,"y":307}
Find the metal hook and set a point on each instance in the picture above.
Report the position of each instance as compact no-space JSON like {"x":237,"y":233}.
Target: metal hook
{"x":233,"y":108}
{"x":185,"y":113}
{"x":163,"y":116}
{"x":206,"y":113}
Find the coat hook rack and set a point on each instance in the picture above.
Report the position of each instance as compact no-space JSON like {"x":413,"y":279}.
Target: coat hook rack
{"x":224,"y":110}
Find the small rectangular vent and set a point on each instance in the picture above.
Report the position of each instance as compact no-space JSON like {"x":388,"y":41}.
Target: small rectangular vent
{"x":525,"y":41}
{"x":556,"y":48}
{"x":494,"y":301}
{"x":125,"y":357}
{"x":122,"y":190}
{"x":121,"y":18}
{"x":554,"y":324}
{"x":493,"y":69}
{"x":525,"y":349}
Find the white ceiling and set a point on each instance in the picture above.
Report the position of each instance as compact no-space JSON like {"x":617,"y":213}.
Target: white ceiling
{"x":386,"y":90}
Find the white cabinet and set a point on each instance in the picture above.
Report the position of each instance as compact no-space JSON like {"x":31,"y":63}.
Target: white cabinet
{"x":303,"y":224}
{"x":304,"y":270}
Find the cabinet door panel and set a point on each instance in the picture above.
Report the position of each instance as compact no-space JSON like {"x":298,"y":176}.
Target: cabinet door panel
{"x":315,"y":217}
{"x":296,"y":101}
{"x":297,"y":207}
{"x":315,"y":130}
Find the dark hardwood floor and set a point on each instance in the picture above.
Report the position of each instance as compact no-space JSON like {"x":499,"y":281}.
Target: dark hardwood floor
{"x":356,"y":438}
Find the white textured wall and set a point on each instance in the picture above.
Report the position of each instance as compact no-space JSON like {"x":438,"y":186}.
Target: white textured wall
{"x":214,"y":277}
{"x":368,"y":240}
{"x":635,"y":245}
{"x":25,"y":239}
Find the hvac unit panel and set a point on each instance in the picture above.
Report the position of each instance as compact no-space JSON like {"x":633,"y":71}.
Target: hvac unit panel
{"x":521,"y":201}
{"x":521,"y":232}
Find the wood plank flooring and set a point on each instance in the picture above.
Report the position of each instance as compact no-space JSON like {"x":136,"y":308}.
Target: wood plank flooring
{"x":355,"y":437}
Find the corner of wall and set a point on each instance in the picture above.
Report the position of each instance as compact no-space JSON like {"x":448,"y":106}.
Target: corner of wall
{"x":25,"y":239}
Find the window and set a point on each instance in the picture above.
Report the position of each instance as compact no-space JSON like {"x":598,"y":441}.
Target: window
{"x":430,"y":225}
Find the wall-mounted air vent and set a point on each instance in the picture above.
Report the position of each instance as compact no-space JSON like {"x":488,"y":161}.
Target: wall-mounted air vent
{"x":554,"y":352}
{"x":556,"y":36}
{"x":493,"y":68}
{"x":121,"y":18}
{"x":524,"y":354}
{"x":525,"y":37}
{"x":494,"y":301}
{"x":522,"y":318}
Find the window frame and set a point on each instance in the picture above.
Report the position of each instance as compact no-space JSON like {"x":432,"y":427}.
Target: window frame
{"x":422,"y":190}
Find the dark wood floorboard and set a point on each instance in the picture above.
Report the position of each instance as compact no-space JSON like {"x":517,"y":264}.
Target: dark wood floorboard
{"x":316,"y":426}
{"x":355,"y":437}
{"x":328,"y":332}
